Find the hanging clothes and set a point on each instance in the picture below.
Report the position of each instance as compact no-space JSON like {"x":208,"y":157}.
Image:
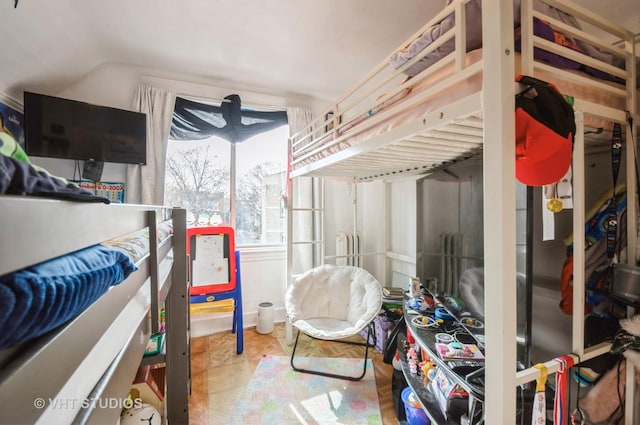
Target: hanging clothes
{"x":595,"y":251}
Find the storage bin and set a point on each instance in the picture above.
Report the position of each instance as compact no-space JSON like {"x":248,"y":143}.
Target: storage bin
{"x":413,"y":408}
{"x":382,"y":326}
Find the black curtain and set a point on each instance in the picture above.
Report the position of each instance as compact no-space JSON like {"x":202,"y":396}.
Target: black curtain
{"x":196,"y":121}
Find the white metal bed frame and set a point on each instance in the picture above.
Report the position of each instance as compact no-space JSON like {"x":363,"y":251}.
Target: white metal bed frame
{"x":461,"y":127}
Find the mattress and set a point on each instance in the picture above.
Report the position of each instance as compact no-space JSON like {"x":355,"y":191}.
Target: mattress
{"x":355,"y":130}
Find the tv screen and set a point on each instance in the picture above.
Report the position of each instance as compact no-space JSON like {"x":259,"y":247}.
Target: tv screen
{"x":69,"y":129}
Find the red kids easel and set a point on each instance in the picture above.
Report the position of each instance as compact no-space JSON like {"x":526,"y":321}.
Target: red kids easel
{"x":214,"y":270}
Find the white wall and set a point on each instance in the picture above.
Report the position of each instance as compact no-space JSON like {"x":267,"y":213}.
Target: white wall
{"x":401,"y":234}
{"x":263,"y":275}
{"x":384,"y":214}
{"x":339,"y":198}
{"x":372,"y":216}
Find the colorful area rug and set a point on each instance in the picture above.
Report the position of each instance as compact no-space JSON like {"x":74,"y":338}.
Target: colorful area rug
{"x":276,"y":394}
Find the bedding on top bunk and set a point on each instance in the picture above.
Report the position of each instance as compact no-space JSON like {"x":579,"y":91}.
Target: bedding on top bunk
{"x":38,"y":299}
{"x":473,"y":27}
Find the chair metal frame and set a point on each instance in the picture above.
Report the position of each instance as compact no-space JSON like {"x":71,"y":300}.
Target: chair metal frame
{"x":366,"y":344}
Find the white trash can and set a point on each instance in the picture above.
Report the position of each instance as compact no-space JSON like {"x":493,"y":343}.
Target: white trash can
{"x":265,"y":318}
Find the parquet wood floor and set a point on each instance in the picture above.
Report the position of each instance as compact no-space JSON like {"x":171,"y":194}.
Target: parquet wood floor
{"x":219,"y":375}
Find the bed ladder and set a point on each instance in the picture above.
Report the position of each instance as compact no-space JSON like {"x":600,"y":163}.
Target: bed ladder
{"x":309,"y":252}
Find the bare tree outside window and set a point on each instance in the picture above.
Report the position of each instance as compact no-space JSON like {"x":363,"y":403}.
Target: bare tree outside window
{"x":198,"y":178}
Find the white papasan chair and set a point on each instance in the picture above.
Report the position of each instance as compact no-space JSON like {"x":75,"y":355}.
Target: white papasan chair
{"x":333,"y":302}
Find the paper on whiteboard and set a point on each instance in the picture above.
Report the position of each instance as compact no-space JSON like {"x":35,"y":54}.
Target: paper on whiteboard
{"x":209,"y":246}
{"x":210,"y":271}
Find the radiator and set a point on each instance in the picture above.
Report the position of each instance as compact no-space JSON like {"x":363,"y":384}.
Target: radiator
{"x":348,"y":249}
{"x":453,"y":253}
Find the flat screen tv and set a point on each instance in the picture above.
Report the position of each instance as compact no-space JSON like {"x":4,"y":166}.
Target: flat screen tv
{"x":69,"y":129}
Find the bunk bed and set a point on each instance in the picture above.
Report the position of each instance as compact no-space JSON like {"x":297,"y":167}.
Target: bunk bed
{"x":86,"y":282}
{"x":445,"y":96}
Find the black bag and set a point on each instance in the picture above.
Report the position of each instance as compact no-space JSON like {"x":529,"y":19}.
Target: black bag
{"x":392,"y":341}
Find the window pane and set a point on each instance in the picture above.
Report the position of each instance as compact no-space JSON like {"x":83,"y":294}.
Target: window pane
{"x":197,"y":178}
{"x":261,"y":172}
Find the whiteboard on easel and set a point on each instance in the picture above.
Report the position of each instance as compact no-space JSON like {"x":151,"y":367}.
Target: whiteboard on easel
{"x":210,"y":267}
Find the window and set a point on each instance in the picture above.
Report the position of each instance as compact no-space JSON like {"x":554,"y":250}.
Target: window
{"x":261,"y":172}
{"x":219,"y":182}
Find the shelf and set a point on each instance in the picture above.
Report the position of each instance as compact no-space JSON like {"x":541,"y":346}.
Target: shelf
{"x":427,"y":340}
{"x":464,"y":376}
{"x":427,"y":398}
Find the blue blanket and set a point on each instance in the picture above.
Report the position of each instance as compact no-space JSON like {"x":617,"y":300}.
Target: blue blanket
{"x":21,"y":178}
{"x":40,"y":298}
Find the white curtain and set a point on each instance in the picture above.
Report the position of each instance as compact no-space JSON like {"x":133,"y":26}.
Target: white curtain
{"x":145,"y":183}
{"x":302,"y":197}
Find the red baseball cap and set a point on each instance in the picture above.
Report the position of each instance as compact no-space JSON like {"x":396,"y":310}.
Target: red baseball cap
{"x":545,"y":127}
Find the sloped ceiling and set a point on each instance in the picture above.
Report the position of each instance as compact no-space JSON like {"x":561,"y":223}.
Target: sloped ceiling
{"x":310,"y":47}
{"x":315,"y":48}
